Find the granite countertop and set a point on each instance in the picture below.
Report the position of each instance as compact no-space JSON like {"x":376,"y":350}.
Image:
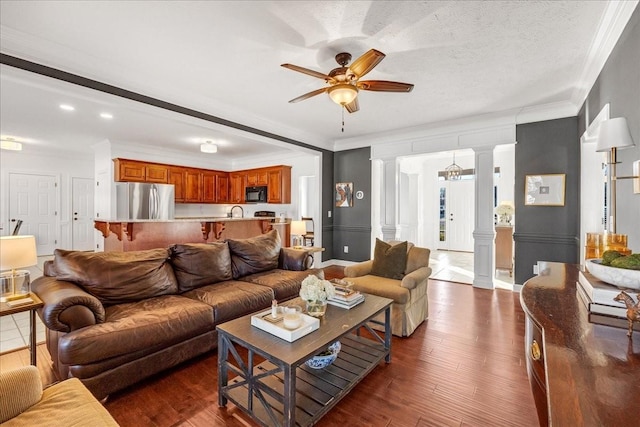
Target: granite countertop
{"x":192,"y":219}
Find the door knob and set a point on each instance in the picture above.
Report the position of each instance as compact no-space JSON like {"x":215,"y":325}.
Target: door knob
{"x":13,"y":220}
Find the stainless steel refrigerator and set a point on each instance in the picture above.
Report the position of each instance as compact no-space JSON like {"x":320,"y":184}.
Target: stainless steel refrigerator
{"x":136,"y":200}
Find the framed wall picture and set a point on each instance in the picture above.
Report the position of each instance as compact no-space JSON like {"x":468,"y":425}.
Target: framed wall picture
{"x":544,"y":190}
{"x":344,"y":194}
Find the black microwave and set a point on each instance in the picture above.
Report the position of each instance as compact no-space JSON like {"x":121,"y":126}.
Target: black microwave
{"x":255,"y":195}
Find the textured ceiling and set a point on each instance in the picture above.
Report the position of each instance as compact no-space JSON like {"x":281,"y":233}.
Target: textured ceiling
{"x":223,"y":58}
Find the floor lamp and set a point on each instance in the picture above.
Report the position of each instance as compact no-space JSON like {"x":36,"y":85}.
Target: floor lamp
{"x":613,"y":135}
{"x":16,"y":252}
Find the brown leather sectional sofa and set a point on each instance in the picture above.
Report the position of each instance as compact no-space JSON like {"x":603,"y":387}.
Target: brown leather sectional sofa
{"x":115,"y":318}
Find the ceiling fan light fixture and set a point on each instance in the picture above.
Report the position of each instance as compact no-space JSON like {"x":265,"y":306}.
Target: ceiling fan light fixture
{"x":343,"y":93}
{"x":10,"y":144}
{"x":208,"y":147}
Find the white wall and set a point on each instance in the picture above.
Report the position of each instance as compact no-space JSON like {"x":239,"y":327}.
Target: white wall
{"x":63,"y":165}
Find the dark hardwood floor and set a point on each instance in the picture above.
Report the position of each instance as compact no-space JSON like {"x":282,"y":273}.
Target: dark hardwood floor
{"x":463,"y":367}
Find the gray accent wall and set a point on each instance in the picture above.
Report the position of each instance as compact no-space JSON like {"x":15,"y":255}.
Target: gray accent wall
{"x":619,"y":85}
{"x":352,"y":226}
{"x":547,"y":233}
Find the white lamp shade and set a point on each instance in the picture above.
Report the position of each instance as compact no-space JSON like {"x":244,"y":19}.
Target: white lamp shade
{"x":614,"y":133}
{"x":298,"y":228}
{"x":17,"y":252}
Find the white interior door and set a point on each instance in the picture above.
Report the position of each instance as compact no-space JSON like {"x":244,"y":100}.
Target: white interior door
{"x":82,"y":209}
{"x":459,"y":217}
{"x":32,"y":199}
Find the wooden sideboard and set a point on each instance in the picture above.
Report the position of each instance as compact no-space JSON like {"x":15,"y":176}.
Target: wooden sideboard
{"x":504,"y":248}
{"x":581,"y":373}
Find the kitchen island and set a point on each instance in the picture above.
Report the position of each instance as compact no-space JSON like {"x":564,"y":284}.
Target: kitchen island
{"x":139,"y":234}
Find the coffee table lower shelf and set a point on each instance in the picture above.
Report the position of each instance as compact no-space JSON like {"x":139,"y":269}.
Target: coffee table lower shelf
{"x":317,"y":390}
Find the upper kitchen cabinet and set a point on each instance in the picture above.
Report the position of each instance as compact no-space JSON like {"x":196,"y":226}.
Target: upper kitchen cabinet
{"x":279,"y":184}
{"x":177,"y":178}
{"x":136,"y":171}
{"x":192,"y":186}
{"x":222,"y":188}
{"x":236,"y":187}
{"x":257,"y":177}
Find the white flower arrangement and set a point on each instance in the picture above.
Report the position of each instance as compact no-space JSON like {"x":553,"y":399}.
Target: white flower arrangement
{"x":505,"y":208}
{"x":315,"y":289}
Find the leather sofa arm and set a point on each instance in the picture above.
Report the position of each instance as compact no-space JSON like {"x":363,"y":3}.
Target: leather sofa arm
{"x":66,"y":306}
{"x":294,"y":259}
{"x":413,"y":279}
{"x":359,"y":269}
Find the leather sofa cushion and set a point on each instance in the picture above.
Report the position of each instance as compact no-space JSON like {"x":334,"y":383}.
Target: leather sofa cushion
{"x":145,"y":326}
{"x":232,"y":299}
{"x":285,"y":284}
{"x":118,"y":277}
{"x":256,"y":254}
{"x":200,"y":264}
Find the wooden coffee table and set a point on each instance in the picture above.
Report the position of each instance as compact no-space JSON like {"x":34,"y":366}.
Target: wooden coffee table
{"x":282,"y":390}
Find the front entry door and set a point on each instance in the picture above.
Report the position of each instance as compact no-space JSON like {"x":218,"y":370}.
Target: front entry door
{"x":82,"y":209}
{"x":32,"y":199}
{"x":457,"y":217}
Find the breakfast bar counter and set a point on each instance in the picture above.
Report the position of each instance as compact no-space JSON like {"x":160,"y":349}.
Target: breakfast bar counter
{"x":581,"y":373}
{"x":139,"y":234}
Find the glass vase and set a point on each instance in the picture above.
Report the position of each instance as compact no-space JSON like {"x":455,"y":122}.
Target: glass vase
{"x":316,"y":308}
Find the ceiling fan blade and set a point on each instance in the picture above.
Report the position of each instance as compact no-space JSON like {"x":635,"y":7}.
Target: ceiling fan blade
{"x":384,"y":86}
{"x":366,"y":62}
{"x":308,"y":95}
{"x":309,"y":72}
{"x":353,"y":106}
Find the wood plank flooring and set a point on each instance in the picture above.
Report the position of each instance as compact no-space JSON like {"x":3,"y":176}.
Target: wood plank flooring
{"x":463,"y":367}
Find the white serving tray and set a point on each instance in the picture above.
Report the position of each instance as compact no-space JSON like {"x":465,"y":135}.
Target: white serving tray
{"x":309,"y":324}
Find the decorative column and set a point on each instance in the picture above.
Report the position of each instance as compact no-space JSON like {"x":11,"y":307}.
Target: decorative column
{"x":484,"y":230}
{"x":389,"y":199}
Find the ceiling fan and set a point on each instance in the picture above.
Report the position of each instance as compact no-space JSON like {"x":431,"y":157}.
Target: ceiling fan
{"x":344,"y":81}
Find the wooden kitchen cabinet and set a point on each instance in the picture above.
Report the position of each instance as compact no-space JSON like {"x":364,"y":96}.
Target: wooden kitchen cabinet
{"x":236,"y":187}
{"x":222,"y":187}
{"x":208,"y":186}
{"x":177,"y":178}
{"x":137,"y":171}
{"x":504,"y":248}
{"x":279,"y":184}
{"x":256,"y":177}
{"x":192,"y":186}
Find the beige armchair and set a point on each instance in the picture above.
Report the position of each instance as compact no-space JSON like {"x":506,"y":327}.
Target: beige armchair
{"x":410,"y":304}
{"x":67,"y":403}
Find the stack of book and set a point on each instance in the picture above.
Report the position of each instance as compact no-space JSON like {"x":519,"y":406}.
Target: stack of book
{"x":345,"y":297}
{"x":598,"y":297}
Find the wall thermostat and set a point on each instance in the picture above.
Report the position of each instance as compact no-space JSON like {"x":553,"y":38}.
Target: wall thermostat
{"x":359,"y":195}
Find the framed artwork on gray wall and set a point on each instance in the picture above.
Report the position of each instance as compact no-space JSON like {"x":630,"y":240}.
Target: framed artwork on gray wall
{"x":544,"y":190}
{"x":344,"y":194}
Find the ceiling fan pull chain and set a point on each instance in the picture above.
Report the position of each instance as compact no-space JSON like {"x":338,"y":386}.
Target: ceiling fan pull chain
{"x":343,"y":108}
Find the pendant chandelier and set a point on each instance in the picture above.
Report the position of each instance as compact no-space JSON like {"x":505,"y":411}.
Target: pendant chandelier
{"x":453,"y":171}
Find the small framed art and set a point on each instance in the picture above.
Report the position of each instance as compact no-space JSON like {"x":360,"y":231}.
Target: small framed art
{"x":544,"y":190}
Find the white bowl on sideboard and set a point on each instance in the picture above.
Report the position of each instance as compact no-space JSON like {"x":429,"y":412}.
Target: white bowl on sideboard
{"x":623,"y":277}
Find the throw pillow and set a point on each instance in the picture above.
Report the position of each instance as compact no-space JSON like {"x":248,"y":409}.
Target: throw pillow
{"x":256,"y":254}
{"x":118,"y":277}
{"x":389,"y":260}
{"x":199,"y":264}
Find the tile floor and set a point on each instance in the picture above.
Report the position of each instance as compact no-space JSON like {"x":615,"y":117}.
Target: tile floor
{"x":14,"y":329}
{"x":455,"y":266}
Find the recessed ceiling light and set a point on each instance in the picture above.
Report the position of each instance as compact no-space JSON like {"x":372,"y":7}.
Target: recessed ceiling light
{"x":67,"y":107}
{"x":10,"y":144}
{"x":106,"y":115}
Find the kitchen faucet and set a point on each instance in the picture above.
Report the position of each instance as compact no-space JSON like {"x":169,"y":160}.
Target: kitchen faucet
{"x":241,"y":211}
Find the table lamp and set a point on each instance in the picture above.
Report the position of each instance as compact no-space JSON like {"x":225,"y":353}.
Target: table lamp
{"x":613,"y":135}
{"x":16,"y":252}
{"x":298,"y":228}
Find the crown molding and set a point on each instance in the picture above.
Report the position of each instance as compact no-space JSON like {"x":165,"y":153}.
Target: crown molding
{"x":613,"y":23}
{"x":539,"y":113}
